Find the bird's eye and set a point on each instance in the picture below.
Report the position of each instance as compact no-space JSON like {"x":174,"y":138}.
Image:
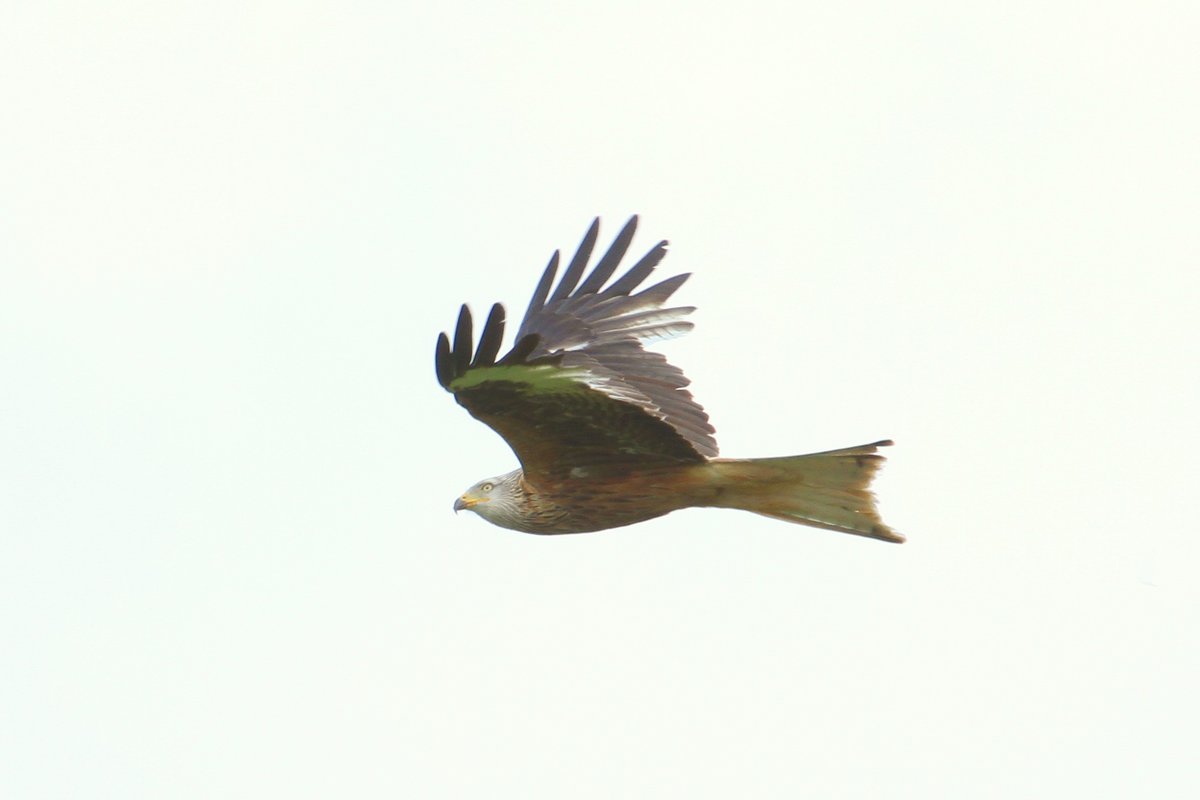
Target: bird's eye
{"x":487,"y":487}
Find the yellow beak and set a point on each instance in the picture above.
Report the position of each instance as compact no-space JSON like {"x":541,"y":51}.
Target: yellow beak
{"x":467,"y":501}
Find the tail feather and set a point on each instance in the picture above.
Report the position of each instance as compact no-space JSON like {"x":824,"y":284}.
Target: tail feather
{"x":824,"y":490}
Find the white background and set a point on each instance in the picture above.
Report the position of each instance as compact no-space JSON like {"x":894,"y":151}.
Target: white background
{"x":230,"y":232}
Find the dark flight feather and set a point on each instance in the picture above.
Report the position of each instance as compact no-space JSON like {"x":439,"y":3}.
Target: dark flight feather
{"x":543,"y":288}
{"x":608,"y":262}
{"x":490,"y":339}
{"x":578,"y":263}
{"x":462,"y":341}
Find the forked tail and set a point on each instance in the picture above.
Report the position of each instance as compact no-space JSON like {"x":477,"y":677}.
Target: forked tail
{"x":825,"y":490}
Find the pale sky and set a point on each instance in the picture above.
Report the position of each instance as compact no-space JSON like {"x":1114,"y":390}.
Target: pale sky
{"x":231,"y":232}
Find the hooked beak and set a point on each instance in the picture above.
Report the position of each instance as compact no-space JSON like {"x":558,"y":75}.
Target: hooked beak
{"x":466,"y":502}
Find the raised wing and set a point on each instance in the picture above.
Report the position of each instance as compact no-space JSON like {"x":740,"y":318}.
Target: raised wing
{"x":578,"y":390}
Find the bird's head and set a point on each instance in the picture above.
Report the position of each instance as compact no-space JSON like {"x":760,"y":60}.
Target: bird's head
{"x":494,"y":499}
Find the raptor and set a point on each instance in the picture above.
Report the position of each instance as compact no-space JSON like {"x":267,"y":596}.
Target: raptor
{"x":605,"y":430}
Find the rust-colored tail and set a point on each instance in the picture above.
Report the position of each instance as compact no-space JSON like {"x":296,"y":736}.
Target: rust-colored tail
{"x":825,"y":490}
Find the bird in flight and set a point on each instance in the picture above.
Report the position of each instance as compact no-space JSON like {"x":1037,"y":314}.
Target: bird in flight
{"x":606,"y":432}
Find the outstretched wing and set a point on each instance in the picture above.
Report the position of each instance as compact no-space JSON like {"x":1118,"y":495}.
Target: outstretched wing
{"x":578,"y":390}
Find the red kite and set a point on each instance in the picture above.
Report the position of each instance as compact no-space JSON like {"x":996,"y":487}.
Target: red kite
{"x":604,"y":429}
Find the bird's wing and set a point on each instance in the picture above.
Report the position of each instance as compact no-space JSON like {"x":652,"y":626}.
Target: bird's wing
{"x":578,"y":390}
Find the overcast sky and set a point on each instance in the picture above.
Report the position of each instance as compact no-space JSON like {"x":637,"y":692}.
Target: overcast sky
{"x":230,"y":233}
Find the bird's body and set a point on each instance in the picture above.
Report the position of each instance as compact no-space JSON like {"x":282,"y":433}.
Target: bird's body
{"x":589,"y":501}
{"x":607,"y":433}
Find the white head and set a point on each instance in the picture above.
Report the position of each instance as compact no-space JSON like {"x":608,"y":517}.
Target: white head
{"x":496,"y":500}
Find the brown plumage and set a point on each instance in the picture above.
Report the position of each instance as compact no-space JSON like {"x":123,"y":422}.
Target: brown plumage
{"x":605,"y":430}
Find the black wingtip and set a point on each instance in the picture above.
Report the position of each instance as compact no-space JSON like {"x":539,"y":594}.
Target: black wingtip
{"x":462,"y":341}
{"x":489,"y":340}
{"x":444,"y":361}
{"x":607,"y":264}
{"x":639,"y":271}
{"x":663,"y":290}
{"x":578,"y":262}
{"x":543,"y":288}
{"x":521,"y":350}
